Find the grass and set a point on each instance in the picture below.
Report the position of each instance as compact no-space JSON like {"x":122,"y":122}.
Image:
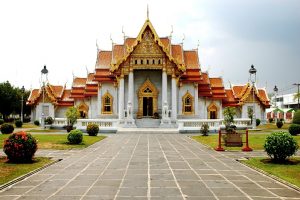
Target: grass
{"x":289,"y":171}
{"x":270,"y":127}
{"x":58,"y":141}
{"x":43,"y":130}
{"x":256,"y":141}
{"x":10,"y":171}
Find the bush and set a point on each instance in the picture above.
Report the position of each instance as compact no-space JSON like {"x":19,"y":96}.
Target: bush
{"x":36,"y":122}
{"x":204,"y":129}
{"x":92,"y":129}
{"x":279,"y":124}
{"x":75,"y":137}
{"x":20,"y":147}
{"x":1,"y":121}
{"x":296,"y":118}
{"x":49,"y":120}
{"x":7,"y":128}
{"x":18,"y":123}
{"x":294,"y":129}
{"x":280,"y":145}
{"x":257,"y":122}
{"x":271,"y":120}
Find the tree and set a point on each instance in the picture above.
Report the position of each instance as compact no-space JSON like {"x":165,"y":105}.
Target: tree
{"x":250,"y":113}
{"x":72,"y":115}
{"x":229,"y":113}
{"x":8,"y":98}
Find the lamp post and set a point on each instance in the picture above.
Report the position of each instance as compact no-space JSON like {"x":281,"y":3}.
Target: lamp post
{"x":44,"y":73}
{"x":276,"y":91}
{"x":252,"y":72}
{"x":22,"y":101}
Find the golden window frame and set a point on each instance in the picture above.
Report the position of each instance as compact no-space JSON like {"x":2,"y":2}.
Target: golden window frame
{"x":104,"y":104}
{"x":184,"y":104}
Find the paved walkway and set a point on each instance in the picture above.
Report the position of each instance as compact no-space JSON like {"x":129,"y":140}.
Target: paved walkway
{"x":147,"y":167}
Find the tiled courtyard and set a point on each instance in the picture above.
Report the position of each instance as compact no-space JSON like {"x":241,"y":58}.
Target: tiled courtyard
{"x":149,"y":166}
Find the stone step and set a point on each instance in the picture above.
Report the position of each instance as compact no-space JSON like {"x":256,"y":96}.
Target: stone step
{"x":147,"y":131}
{"x":147,"y":123}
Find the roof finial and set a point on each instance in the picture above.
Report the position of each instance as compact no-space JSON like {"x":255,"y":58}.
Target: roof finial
{"x":123,"y":33}
{"x":147,"y":12}
{"x":87,"y":71}
{"x":171,"y":31}
{"x":198,"y":44}
{"x":97,"y":46}
{"x":182,"y":39}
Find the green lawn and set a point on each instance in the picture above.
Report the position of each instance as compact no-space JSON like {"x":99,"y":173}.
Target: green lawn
{"x":290,"y":171}
{"x":256,"y":140}
{"x":10,"y":171}
{"x":59,"y":141}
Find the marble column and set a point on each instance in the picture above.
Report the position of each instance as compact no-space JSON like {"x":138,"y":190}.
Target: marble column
{"x":164,"y":87}
{"x":196,"y":102}
{"x":131,"y":91}
{"x":121,"y":98}
{"x":174,"y":95}
{"x":99,"y":100}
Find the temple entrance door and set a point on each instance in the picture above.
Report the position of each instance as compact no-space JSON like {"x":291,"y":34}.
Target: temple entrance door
{"x":147,"y":100}
{"x":147,"y":106}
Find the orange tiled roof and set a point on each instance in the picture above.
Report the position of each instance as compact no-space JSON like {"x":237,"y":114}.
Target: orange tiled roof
{"x":118,"y":51}
{"x":177,"y":53}
{"x":165,"y":41}
{"x":79,"y":82}
{"x":104,"y":59}
{"x":191,"y":59}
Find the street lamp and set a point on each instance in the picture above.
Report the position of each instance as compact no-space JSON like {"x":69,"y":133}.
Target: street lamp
{"x":252,"y":72}
{"x":44,"y":73}
{"x":22,"y":101}
{"x":276,"y":91}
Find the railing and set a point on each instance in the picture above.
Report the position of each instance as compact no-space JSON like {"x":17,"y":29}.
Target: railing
{"x":187,"y":125}
{"x":82,"y":123}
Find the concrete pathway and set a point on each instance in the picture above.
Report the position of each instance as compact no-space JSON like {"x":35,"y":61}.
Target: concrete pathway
{"x":147,"y":167}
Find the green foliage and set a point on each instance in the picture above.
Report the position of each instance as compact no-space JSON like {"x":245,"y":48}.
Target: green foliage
{"x":20,"y":147}
{"x":72,"y":115}
{"x":18,"y":123}
{"x":7,"y":128}
{"x":204,"y":129}
{"x":1,"y":121}
{"x":294,"y":129}
{"x":296,"y":118}
{"x":36,"y":122}
{"x":92,"y":129}
{"x":280,"y":145}
{"x":49,"y":120}
{"x":10,"y":98}
{"x":257,"y":122}
{"x":271,"y":120}
{"x":229,"y":113}
{"x":75,"y":136}
{"x":250,"y":113}
{"x":279,"y":124}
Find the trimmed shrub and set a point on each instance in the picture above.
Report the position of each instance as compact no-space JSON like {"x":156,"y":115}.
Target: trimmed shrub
{"x":49,"y":120}
{"x":20,"y":147}
{"x":280,"y":145}
{"x":92,"y":129}
{"x":7,"y":128}
{"x":18,"y":123}
{"x":271,"y":120}
{"x":1,"y":121}
{"x":204,"y":129}
{"x":294,"y":129}
{"x":279,"y":124}
{"x":296,"y":118}
{"x":75,"y":136}
{"x":257,"y":122}
{"x":36,"y":122}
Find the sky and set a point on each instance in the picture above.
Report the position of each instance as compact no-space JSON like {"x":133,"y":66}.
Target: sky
{"x":231,"y":34}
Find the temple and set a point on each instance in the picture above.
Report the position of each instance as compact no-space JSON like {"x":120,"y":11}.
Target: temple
{"x":147,"y":82}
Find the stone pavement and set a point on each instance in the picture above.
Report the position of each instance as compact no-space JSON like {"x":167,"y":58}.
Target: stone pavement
{"x":147,"y":166}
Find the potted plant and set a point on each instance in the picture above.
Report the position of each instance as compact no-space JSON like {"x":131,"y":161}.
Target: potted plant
{"x":231,"y":138}
{"x":72,"y":115}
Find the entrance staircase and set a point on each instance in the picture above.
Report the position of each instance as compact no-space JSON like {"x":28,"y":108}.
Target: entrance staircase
{"x":147,"y":123}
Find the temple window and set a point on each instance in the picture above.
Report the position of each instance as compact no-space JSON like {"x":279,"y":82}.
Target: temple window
{"x":142,"y":62}
{"x":159,"y":61}
{"x":107,"y":103}
{"x":188,"y":104}
{"x":147,"y":62}
{"x":153,"y":61}
{"x":135,"y":62}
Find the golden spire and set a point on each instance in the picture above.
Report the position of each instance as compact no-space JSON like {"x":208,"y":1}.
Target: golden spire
{"x":147,"y":12}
